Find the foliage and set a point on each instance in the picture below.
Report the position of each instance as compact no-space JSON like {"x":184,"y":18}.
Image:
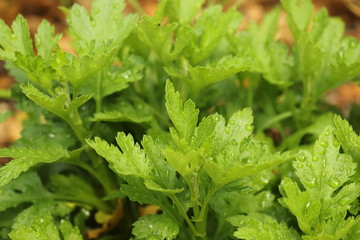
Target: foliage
{"x":176,"y":110}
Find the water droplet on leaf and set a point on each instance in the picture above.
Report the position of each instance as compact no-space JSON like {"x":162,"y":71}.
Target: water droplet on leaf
{"x":311,"y":183}
{"x":301,"y":158}
{"x":343,"y":201}
{"x":249,"y":127}
{"x":227,"y":130}
{"x":232,"y":122}
{"x":334,"y":182}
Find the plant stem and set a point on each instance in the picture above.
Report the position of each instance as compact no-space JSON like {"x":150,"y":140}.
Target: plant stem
{"x":92,"y":202}
{"x":202,"y":217}
{"x":183,"y":213}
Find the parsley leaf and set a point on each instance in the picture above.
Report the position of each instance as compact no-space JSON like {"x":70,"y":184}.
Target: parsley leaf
{"x":155,"y":227}
{"x":26,"y":157}
{"x":261,"y":226}
{"x":321,"y":208}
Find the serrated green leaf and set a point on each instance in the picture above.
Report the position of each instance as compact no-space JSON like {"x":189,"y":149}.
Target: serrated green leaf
{"x":114,"y":79}
{"x":25,"y":157}
{"x":58,"y":105}
{"x":260,"y":226}
{"x":104,"y":23}
{"x":46,"y":40}
{"x":183,"y":116}
{"x":299,"y":14}
{"x":324,"y":203}
{"x":235,"y":154}
{"x":212,"y":25}
{"x":160,"y":38}
{"x":45,"y":229}
{"x":124,"y":111}
{"x":79,"y":69}
{"x":38,"y":209}
{"x":134,"y":161}
{"x":27,"y":188}
{"x":346,"y":136}
{"x":224,"y":68}
{"x":16,"y":39}
{"x":155,"y":227}
{"x":178,"y":10}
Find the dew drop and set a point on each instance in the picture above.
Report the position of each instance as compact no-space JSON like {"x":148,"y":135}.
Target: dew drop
{"x":334,"y":183}
{"x":249,"y":127}
{"x":223,"y":152}
{"x":217,"y":118}
{"x":69,"y":21}
{"x":96,"y":11}
{"x":341,"y":54}
{"x":227,"y":130}
{"x":51,"y":135}
{"x":150,"y":226}
{"x":336,"y":143}
{"x":315,"y":159}
{"x":93,"y":23}
{"x":116,"y":18}
{"x":264,"y":147}
{"x":301,"y":158}
{"x":13,"y":36}
{"x":234,"y":142}
{"x":307,"y":206}
{"x":352,"y":44}
{"x":232,"y":122}
{"x":324,"y":144}
{"x":300,"y":165}
{"x":342,"y":168}
{"x":343,"y":201}
{"x":232,"y":154}
{"x":327,"y":133}
{"x":311,"y":183}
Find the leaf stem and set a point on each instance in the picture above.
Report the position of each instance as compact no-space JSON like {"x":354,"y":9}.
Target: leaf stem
{"x":100,"y":205}
{"x":183,"y":213}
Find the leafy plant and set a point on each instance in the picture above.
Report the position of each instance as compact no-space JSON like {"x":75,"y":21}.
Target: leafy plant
{"x":102,"y":136}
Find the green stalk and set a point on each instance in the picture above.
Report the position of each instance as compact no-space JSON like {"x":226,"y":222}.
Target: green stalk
{"x":75,"y":122}
{"x":202,"y":217}
{"x":307,"y":102}
{"x":92,"y":202}
{"x":183,"y":213}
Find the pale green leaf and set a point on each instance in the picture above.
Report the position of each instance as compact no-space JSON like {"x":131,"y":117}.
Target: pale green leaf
{"x":227,"y":66}
{"x":104,"y":23}
{"x":183,"y":116}
{"x":348,"y":139}
{"x":25,"y":157}
{"x":156,"y":227}
{"x":27,"y":188}
{"x":257,"y":226}
{"x":45,"y":229}
{"x":16,"y":39}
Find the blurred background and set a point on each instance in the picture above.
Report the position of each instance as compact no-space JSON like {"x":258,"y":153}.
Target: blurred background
{"x":253,"y":10}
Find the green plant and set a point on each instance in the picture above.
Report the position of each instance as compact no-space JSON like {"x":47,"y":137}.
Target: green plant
{"x":102,"y":136}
